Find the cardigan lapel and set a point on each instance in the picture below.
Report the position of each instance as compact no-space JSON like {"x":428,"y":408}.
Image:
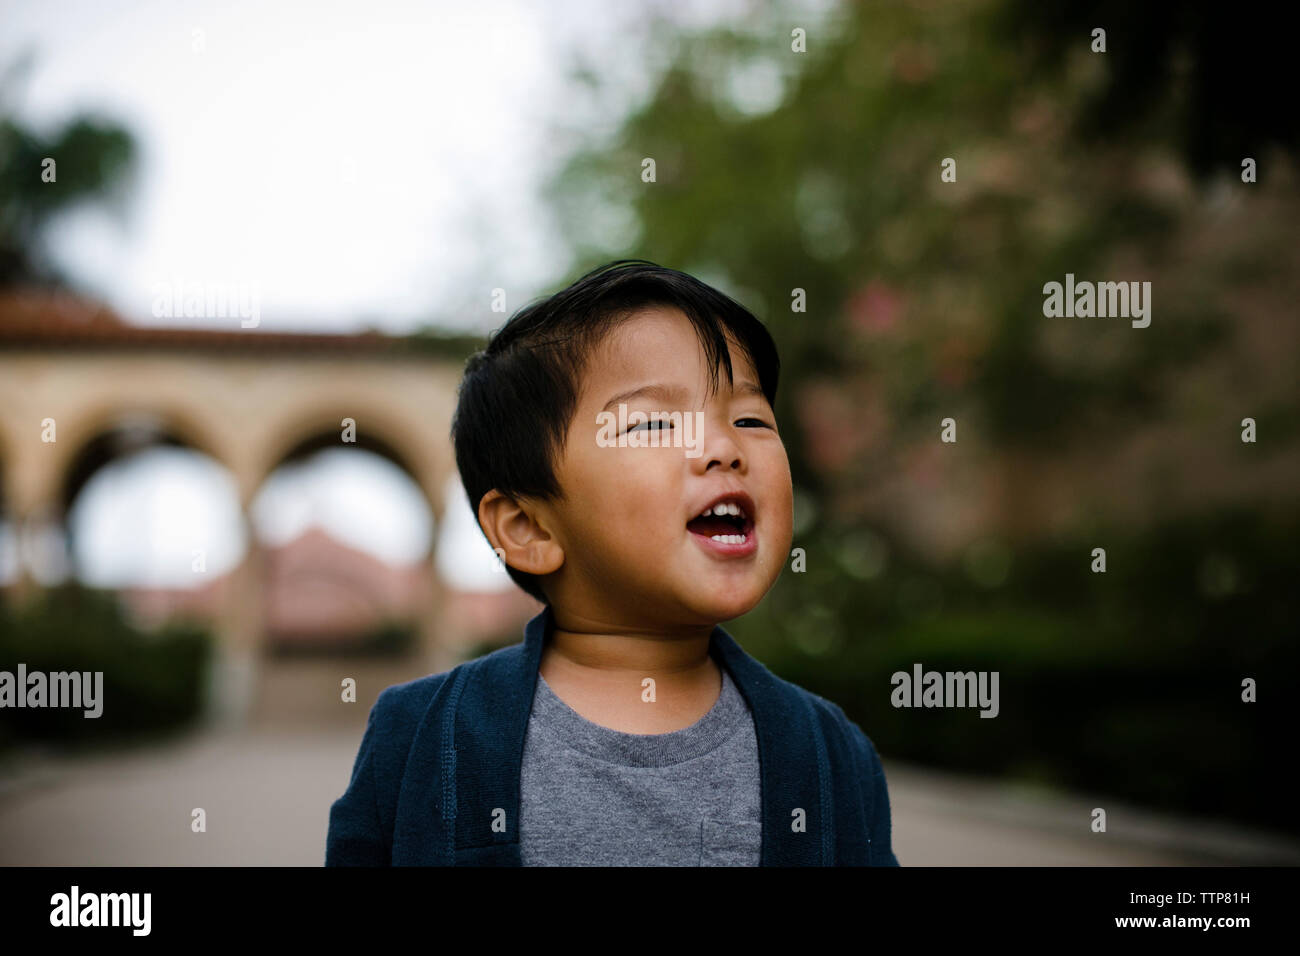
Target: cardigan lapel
{"x":459,"y":798}
{"x":461,"y":789}
{"x":798,"y":829}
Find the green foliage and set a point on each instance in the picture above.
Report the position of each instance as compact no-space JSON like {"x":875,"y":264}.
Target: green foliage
{"x":1231,"y":75}
{"x":93,"y":160}
{"x":152,"y":682}
{"x":1125,"y":683}
{"x":390,"y":638}
{"x":836,"y":190}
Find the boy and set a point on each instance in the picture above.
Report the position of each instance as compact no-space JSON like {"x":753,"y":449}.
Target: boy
{"x":618,"y":443}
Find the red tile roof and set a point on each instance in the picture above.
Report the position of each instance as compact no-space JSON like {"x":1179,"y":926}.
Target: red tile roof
{"x":55,"y":319}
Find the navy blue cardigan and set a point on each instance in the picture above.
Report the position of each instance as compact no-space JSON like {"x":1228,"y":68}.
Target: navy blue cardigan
{"x":441,"y":753}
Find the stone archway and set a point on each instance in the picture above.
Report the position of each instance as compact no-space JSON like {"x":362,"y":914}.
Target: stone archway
{"x":244,"y":398}
{"x":311,"y":682}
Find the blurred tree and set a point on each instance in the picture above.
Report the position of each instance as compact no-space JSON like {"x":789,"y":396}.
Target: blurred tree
{"x":93,"y":159}
{"x":1228,"y":73}
{"x":821,"y":171}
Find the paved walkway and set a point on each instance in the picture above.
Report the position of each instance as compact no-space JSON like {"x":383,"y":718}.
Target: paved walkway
{"x":267,"y":796}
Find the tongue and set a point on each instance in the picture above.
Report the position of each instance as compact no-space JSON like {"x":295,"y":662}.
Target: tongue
{"x":712,"y":525}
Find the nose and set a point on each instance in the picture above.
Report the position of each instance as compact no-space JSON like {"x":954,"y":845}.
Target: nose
{"x":721,"y":450}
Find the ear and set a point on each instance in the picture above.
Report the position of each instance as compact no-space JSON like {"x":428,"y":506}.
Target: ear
{"x":520,"y":532}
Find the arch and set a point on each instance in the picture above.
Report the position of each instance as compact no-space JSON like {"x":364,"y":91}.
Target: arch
{"x":378,"y":431}
{"x":112,"y":439}
{"x":177,"y":427}
{"x":189,"y":397}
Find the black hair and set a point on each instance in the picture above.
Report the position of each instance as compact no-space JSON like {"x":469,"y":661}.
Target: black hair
{"x":519,"y":394}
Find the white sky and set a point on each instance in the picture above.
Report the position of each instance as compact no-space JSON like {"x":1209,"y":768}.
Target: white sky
{"x":357,"y":162}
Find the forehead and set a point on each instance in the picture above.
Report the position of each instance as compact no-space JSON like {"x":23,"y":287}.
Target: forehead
{"x":657,"y":342}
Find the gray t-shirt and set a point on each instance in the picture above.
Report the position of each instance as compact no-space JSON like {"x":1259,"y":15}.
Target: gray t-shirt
{"x":592,"y":796}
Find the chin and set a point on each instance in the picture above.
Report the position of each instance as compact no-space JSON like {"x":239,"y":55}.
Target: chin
{"x":711,"y":608}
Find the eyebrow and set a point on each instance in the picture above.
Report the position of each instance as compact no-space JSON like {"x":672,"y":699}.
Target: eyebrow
{"x":676,"y":393}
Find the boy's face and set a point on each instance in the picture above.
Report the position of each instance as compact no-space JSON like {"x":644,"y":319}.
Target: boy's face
{"x":635,"y":548}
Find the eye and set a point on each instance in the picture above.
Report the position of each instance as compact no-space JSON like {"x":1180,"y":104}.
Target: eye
{"x":758,"y":422}
{"x":657,"y":424}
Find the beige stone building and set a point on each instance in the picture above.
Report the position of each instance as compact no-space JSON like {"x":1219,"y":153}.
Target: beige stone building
{"x":250,"y":400}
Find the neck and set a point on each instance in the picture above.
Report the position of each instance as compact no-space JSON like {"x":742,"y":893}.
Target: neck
{"x":610,"y":647}
{"x":601,"y":671}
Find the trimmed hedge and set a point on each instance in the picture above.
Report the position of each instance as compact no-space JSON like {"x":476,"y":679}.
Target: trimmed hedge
{"x":1125,"y":684}
{"x":152,"y":682}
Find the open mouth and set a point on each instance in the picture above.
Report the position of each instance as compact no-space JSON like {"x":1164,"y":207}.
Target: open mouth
{"x":726,"y":522}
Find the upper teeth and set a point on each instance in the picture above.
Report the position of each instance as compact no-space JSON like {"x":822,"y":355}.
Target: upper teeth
{"x":727,"y":508}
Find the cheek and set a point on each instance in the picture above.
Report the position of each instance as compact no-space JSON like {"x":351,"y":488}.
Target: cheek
{"x":627,"y":495}
{"x":649,"y":492}
{"x":778,"y":484}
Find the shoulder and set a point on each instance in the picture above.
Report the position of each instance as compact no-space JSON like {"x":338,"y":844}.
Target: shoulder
{"x":395,"y":720}
{"x":399,"y":709}
{"x":839,"y":729}
{"x":407,"y":702}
